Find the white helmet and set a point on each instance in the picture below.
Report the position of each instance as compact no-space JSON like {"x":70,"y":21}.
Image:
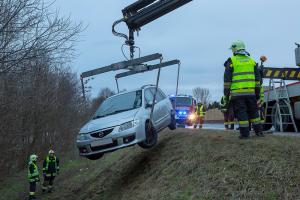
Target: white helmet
{"x":33,"y":158}
{"x":51,"y":151}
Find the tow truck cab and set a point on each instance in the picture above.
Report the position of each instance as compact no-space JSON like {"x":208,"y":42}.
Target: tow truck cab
{"x":185,"y":106}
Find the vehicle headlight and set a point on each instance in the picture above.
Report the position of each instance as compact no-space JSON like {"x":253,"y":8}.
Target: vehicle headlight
{"x":82,"y":137}
{"x":128,"y":125}
{"x":192,"y":116}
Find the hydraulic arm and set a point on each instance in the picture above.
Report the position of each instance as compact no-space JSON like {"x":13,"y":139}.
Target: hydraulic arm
{"x":143,"y":12}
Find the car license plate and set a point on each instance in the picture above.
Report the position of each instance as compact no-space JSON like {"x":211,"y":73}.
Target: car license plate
{"x":101,"y":142}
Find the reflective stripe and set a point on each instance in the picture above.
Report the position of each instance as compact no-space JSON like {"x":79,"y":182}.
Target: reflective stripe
{"x":244,"y":80}
{"x":243,"y":94}
{"x":31,"y":193}
{"x":244,"y":123}
{"x":242,"y":73}
{"x":255,"y":120}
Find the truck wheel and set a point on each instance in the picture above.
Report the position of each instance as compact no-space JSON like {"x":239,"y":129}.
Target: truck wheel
{"x":95,"y":156}
{"x":151,"y":137}
{"x":285,"y":118}
{"x":172,"y":126}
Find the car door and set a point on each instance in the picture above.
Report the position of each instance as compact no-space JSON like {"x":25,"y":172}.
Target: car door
{"x":149,"y":97}
{"x":161,"y":109}
{"x":166,"y":108}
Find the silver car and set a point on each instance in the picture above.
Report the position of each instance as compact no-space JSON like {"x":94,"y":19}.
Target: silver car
{"x":124,"y":120}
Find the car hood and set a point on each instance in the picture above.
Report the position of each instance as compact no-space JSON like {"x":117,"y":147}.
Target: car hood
{"x":108,"y":121}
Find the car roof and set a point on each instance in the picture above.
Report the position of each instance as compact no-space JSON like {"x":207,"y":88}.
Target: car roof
{"x":128,"y":91}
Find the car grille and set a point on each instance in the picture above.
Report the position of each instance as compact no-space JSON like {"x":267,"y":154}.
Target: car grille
{"x":98,"y":148}
{"x":101,"y":134}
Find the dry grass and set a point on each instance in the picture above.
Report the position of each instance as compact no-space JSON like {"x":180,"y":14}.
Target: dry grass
{"x":187,"y":164}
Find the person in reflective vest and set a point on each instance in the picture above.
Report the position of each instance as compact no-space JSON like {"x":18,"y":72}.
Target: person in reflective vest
{"x":33,"y":175}
{"x":200,"y":115}
{"x":227,"y":110}
{"x":50,"y":171}
{"x":242,"y":83}
{"x":260,"y":104}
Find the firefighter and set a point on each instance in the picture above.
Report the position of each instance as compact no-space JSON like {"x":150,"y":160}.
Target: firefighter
{"x":50,"y":171}
{"x":33,"y":175}
{"x":260,"y":104}
{"x":200,"y":115}
{"x":242,"y":83}
{"x":227,"y":110}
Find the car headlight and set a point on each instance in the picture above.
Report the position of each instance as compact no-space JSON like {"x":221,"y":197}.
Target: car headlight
{"x":128,"y":125}
{"x":82,"y":137}
{"x":192,"y":116}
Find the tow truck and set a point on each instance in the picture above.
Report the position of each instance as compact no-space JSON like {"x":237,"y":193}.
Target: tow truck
{"x":185,"y":106}
{"x":282,"y":100}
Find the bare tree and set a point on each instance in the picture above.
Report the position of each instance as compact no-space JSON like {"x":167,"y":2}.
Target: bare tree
{"x":202,"y":95}
{"x":28,"y":31}
{"x":40,"y":101}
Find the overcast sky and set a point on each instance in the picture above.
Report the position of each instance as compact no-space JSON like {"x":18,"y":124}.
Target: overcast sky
{"x":199,"y":34}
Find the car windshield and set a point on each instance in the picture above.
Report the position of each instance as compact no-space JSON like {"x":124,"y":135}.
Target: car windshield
{"x":119,"y":103}
{"x":183,"y":101}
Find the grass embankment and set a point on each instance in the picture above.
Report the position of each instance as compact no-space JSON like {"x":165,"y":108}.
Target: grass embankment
{"x":186,"y":164}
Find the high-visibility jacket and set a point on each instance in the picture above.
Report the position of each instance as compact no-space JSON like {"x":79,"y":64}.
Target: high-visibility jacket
{"x":262,"y":93}
{"x":51,"y":166}
{"x":200,"y":110}
{"x":243,"y":77}
{"x":33,"y":172}
{"x":224,"y":104}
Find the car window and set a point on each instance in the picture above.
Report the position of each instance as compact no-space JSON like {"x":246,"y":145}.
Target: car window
{"x":162,"y":94}
{"x":120,"y":103}
{"x":159,"y":96}
{"x":148,"y":96}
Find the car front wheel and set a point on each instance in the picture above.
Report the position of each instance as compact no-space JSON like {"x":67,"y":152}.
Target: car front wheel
{"x":151,"y":137}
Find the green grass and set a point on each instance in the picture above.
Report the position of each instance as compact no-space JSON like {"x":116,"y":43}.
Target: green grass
{"x":186,"y":164}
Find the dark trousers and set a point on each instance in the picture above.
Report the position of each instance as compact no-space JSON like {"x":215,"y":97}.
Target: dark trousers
{"x":246,"y":111}
{"x":48,"y":183}
{"x":32,"y":189}
{"x":229,"y":117}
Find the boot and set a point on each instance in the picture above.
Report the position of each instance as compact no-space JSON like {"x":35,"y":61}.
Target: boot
{"x":226,"y":127}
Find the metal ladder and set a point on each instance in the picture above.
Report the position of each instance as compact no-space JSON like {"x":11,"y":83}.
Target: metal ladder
{"x":281,"y":96}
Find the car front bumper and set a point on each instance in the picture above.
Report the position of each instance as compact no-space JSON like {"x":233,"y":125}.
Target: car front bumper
{"x":116,"y":141}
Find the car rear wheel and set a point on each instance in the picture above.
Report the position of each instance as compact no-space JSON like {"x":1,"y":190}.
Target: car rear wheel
{"x":95,"y":156}
{"x":151,"y":137}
